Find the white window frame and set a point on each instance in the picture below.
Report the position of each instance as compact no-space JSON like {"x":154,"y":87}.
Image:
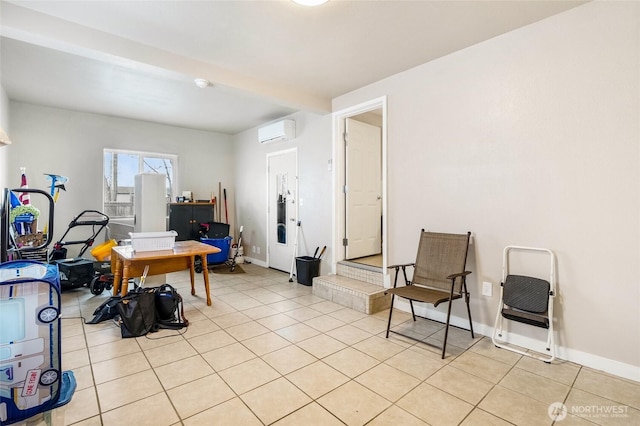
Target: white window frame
{"x":141,"y":156}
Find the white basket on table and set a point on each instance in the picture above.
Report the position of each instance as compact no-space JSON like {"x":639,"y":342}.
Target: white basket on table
{"x":152,"y":241}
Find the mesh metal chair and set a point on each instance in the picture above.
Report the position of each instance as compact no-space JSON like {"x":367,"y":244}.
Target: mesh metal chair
{"x":438,"y":276}
{"x":526,"y":300}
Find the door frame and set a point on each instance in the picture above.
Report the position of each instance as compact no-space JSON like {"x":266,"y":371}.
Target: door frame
{"x":268,"y":237}
{"x":338,"y":177}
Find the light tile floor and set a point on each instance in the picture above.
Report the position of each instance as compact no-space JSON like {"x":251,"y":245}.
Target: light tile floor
{"x":269,"y":352}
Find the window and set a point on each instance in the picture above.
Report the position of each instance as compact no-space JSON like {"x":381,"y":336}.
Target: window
{"x":120,"y":168}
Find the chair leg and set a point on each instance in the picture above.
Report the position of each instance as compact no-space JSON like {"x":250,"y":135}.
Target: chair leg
{"x":390,"y":312}
{"x":469,"y":313}
{"x":413,"y":314}
{"x":446,"y":330}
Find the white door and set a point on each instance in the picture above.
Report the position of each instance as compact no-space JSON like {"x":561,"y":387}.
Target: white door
{"x":363,"y":193}
{"x":282,"y":217}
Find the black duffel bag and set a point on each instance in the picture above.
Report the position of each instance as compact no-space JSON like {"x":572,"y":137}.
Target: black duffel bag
{"x":106,"y":311}
{"x":148,"y":309}
{"x":138,"y":312}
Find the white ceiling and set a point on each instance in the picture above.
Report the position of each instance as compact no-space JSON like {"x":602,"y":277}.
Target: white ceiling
{"x":266,"y":59}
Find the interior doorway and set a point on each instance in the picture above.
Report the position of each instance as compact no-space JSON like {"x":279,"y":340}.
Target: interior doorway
{"x":372,"y":114}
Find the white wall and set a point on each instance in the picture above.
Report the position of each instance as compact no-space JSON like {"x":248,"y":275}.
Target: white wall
{"x":4,"y":124}
{"x":71,"y":144}
{"x":531,"y":138}
{"x":313,"y":141}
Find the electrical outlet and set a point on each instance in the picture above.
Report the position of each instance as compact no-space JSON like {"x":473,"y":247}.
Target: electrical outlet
{"x":258,"y":249}
{"x":253,"y":249}
{"x":487,"y":289}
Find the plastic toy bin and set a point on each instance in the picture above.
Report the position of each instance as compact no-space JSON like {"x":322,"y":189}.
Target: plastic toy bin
{"x":307,"y":268}
{"x":223,"y":244}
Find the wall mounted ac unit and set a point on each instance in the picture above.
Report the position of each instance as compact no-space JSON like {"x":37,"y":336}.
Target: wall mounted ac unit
{"x":279,"y":131}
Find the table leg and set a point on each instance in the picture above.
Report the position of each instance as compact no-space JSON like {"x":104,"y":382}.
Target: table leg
{"x":117,"y":276}
{"x":205,"y":274}
{"x":192,"y":273}
{"x":125,"y":280}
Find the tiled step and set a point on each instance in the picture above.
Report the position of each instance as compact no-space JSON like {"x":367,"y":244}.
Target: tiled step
{"x":363,"y":296}
{"x":365,"y":273}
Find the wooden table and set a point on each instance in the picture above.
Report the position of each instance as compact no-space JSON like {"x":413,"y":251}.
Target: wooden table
{"x":125,"y":263}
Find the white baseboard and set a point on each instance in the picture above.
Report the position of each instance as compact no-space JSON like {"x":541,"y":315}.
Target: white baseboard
{"x":596,"y":362}
{"x":257,"y":262}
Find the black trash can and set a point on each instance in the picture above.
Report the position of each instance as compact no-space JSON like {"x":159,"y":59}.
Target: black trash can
{"x":307,"y":267}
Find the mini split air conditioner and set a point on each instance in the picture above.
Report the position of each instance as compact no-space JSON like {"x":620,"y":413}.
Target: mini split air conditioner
{"x":279,"y":131}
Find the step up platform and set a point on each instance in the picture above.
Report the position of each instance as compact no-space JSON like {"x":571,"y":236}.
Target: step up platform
{"x":354,"y":287}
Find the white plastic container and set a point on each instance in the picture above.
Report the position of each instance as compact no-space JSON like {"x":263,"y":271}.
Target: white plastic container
{"x":153,"y":241}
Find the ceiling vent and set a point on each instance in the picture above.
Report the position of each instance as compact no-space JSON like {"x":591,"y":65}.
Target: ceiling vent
{"x":279,"y":131}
